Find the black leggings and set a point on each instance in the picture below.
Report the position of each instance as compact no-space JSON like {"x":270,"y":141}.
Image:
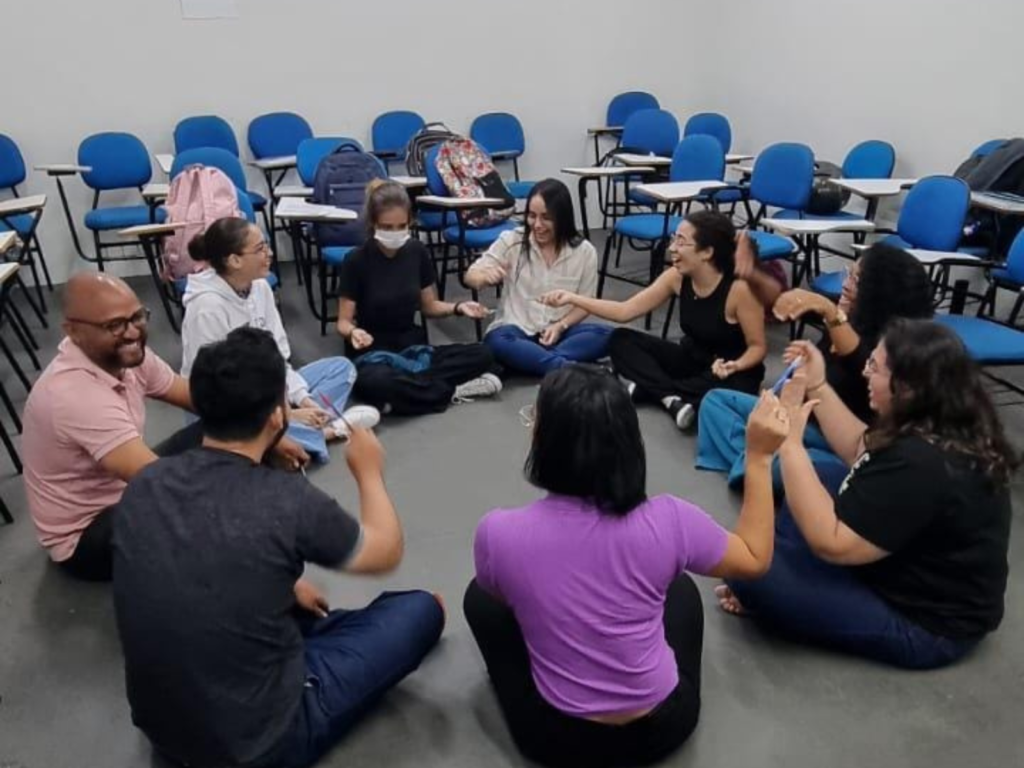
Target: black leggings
{"x":93,"y":558}
{"x":550,"y":737}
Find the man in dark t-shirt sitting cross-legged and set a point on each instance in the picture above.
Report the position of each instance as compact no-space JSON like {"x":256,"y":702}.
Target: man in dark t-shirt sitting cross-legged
{"x":231,"y":659}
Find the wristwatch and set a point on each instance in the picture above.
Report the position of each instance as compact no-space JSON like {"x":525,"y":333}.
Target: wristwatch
{"x":839,"y":319}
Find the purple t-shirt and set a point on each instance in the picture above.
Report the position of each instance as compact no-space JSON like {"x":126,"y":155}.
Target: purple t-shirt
{"x":588,"y":590}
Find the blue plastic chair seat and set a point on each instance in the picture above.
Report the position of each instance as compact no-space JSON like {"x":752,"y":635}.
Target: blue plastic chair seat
{"x":433,"y":221}
{"x":974,"y":250}
{"x":897,"y":242}
{"x":830,"y":284}
{"x":1004,"y":277}
{"x":103,"y":219}
{"x":520,"y":189}
{"x":334,"y":255}
{"x":771,"y":246}
{"x":987,"y":343}
{"x":477,"y":239}
{"x":646,"y":226}
{"x":838,"y":216}
{"x":258,"y":201}
{"x":22,"y":223}
{"x":640,"y":198}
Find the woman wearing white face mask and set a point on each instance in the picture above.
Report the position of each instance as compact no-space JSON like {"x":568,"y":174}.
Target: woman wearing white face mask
{"x":384,"y":283}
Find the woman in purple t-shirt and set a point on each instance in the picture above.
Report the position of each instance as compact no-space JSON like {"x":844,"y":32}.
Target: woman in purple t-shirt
{"x":590,"y":627}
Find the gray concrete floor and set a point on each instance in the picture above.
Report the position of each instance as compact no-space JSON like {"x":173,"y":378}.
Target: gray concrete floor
{"x":766,"y":702}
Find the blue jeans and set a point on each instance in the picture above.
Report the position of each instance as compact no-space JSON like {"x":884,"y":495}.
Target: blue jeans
{"x":582,"y":343}
{"x":811,"y":601}
{"x":722,"y":438}
{"x":330,"y":379}
{"x":352,"y":659}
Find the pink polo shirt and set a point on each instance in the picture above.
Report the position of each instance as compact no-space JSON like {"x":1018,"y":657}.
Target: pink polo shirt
{"x":76,"y":414}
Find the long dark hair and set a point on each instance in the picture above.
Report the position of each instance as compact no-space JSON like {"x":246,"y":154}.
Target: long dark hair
{"x":223,"y":238}
{"x":892,"y":283}
{"x":716,"y":231}
{"x":587,"y":441}
{"x":937,"y":394}
{"x":558,"y":201}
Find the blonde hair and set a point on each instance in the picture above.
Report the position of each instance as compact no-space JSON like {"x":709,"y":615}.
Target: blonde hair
{"x":382,"y":194}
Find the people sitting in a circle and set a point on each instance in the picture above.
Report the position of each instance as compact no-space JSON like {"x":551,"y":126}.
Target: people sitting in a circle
{"x":231,"y":658}
{"x":582,"y":606}
{"x":234,"y":293}
{"x":905,"y":559}
{"x":547,"y":254}
{"x":722,"y":321}
{"x":885,"y":282}
{"x":384,"y":284}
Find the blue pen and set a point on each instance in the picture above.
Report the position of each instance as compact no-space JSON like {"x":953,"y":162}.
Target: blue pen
{"x":786,"y":376}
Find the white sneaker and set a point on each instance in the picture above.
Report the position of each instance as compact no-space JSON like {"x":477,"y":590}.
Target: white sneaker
{"x":356,"y":417}
{"x":630,"y":386}
{"x":487,"y":385}
{"x":682,"y":413}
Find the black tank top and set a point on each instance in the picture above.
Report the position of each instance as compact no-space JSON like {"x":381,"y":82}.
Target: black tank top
{"x":703,"y":321}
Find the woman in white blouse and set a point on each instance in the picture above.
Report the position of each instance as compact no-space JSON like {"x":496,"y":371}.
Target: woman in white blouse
{"x":547,"y":254}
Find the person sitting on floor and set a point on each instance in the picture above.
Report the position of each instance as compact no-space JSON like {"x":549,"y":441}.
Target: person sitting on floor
{"x":590,"y":626}
{"x":722,"y":322}
{"x":85,"y":419}
{"x":903,"y":560}
{"x":233,"y":293}
{"x":231,"y":658}
{"x":885,"y":282}
{"x":548,"y":253}
{"x":384,"y":283}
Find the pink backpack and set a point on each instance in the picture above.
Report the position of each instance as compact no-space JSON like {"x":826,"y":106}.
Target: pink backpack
{"x":199,"y":196}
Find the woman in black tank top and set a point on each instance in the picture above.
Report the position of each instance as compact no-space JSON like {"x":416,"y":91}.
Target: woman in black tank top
{"x":722,"y":321}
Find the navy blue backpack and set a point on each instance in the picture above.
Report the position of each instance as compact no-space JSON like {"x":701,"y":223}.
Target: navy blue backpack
{"x":341,"y":179}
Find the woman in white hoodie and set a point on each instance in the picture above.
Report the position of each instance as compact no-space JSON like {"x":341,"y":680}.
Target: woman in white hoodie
{"x":234,"y":292}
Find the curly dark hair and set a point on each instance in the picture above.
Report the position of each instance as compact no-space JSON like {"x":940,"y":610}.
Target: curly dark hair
{"x":937,"y":394}
{"x":892,"y":284}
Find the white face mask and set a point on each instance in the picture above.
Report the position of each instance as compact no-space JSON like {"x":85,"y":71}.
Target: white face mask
{"x":392,"y":240}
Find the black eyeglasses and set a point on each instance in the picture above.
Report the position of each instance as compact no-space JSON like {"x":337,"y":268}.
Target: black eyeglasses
{"x":118,"y":326}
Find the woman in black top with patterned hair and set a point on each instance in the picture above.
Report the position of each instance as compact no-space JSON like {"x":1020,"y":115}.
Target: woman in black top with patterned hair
{"x":722,"y":322}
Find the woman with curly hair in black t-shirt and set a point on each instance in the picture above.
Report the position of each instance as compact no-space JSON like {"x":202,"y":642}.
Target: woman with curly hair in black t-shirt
{"x":904,"y":560}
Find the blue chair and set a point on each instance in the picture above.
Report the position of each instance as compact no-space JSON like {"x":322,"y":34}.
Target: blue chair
{"x":989,"y":343}
{"x":13,"y":173}
{"x":118,"y":161}
{"x":310,"y":152}
{"x":622,"y":107}
{"x":783,"y":177}
{"x":696,"y":158}
{"x":1009,"y":277}
{"x":277,"y":134}
{"x":710,"y":124}
{"x":649,"y":132}
{"x":391,"y":132}
{"x":501,"y":135}
{"x":987,"y":148}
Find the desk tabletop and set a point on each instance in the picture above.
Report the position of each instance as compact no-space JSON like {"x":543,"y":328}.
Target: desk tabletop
{"x":736,"y":157}
{"x":63,"y":169}
{"x":8,"y":240}
{"x":410,"y":182}
{"x":605,"y":130}
{"x":165,"y":161}
{"x":461,"y":202}
{"x":28,"y":204}
{"x":947,"y":257}
{"x":676,"y":191}
{"x":629,"y":158}
{"x":275,"y":163}
{"x":997,"y":203}
{"x":602,"y":171}
{"x":156,"y":190}
{"x":152,"y":230}
{"x":297,"y":209}
{"x":875,"y":187}
{"x":292,"y":190}
{"x":818,"y":226}
{"x":8,"y":270}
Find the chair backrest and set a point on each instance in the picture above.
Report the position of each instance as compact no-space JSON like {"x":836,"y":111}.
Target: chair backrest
{"x":277,"y":134}
{"x":625,"y":104}
{"x":933,"y":213}
{"x":220,"y":159}
{"x":118,"y":161}
{"x":1015,"y":258}
{"x":311,"y":151}
{"x":698,"y":158}
{"x":204,"y":131}
{"x":986,"y":149}
{"x":12,"y":164}
{"x":710,"y":124}
{"x":391,"y":131}
{"x":499,"y":132}
{"x":435,"y":183}
{"x":872,"y":159}
{"x":651,"y":130}
{"x":783,"y":176}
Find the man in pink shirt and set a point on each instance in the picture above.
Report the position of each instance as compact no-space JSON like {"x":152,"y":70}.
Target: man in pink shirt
{"x":85,"y":419}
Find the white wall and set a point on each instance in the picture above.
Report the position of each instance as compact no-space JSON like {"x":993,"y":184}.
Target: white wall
{"x":137,"y":66}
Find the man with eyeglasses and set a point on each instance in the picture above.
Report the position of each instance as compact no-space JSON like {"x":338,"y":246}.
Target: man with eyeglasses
{"x":85,"y":418}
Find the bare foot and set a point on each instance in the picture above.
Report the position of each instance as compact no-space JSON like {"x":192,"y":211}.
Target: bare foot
{"x":728,"y":601}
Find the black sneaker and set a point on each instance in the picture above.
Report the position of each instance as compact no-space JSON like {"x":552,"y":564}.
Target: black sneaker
{"x":682,"y":413}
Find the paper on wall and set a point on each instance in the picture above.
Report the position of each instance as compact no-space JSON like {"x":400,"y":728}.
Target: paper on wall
{"x":209,"y":9}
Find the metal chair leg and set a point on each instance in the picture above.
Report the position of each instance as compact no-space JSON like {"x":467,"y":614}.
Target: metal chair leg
{"x":13,"y":453}
{"x":9,"y":405}
{"x":14,"y":364}
{"x":5,"y":513}
{"x":28,"y":344}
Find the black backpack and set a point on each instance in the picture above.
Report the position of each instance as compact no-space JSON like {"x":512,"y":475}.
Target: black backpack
{"x":341,"y":180}
{"x":827,"y":198}
{"x":425,"y":139}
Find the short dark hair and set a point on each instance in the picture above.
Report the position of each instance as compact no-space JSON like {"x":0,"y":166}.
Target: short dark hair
{"x":237,"y":383}
{"x":221,"y":239}
{"x":715,"y":230}
{"x":587,"y":441}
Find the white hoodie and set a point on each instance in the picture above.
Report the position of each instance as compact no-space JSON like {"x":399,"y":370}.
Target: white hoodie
{"x":213,"y":310}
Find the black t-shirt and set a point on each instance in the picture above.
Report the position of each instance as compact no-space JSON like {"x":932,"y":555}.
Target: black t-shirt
{"x":947,"y":529}
{"x":207,"y":549}
{"x":386,"y":290}
{"x":846,"y":377}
